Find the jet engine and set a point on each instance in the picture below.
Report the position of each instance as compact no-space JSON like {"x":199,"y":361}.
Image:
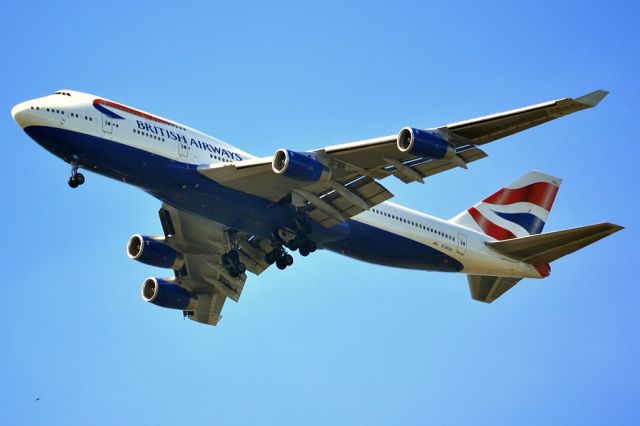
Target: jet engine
{"x":422,"y":143}
{"x":152,"y":251}
{"x":168,"y":295}
{"x":299,"y":166}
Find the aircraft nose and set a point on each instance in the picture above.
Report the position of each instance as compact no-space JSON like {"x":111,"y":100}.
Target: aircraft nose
{"x":20,"y":114}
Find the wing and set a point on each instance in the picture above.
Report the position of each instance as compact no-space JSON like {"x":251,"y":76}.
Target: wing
{"x":202,"y":243}
{"x":355,"y":168}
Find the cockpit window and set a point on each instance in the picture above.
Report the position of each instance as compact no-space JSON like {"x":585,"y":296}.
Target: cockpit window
{"x":62,"y":93}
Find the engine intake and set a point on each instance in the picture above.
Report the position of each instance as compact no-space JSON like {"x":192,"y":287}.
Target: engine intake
{"x":151,"y":251}
{"x":422,"y":143}
{"x":168,"y":295}
{"x":299,"y":166}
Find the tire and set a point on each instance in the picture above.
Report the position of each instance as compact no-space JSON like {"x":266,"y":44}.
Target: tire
{"x":242,"y":268}
{"x":311,"y":246}
{"x":304,"y":252}
{"x":225,"y":259}
{"x":301,"y":241}
{"x":280,"y":263}
{"x":233,"y":255}
{"x":72,"y":182}
{"x":288,"y":259}
{"x":292,"y":245}
{"x":269,"y":258}
{"x":79,"y":178}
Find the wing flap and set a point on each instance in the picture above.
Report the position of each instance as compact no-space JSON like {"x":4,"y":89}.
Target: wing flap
{"x":426,"y":167}
{"x":208,"y":309}
{"x":367,"y":189}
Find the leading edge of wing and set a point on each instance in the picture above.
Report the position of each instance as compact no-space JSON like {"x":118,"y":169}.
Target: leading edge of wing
{"x":589,"y":100}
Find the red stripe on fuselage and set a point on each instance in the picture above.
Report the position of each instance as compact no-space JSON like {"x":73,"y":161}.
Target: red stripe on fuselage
{"x":490,"y":228}
{"x":541,"y":194}
{"x":132,"y":111}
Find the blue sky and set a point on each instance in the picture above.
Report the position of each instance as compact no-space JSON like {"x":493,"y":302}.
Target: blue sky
{"x":330,"y":340}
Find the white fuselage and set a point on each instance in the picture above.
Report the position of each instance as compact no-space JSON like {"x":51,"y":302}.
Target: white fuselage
{"x":80,"y":113}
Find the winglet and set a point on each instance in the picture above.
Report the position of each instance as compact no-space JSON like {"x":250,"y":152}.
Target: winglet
{"x":592,"y":99}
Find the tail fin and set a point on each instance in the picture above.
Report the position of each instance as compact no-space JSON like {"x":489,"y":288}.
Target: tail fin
{"x":518,"y":210}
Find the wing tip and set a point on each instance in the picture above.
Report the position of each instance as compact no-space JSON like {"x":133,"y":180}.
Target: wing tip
{"x":613,"y":228}
{"x":592,"y":99}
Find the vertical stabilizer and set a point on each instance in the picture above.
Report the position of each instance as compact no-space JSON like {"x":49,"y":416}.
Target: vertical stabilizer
{"x":518,"y":210}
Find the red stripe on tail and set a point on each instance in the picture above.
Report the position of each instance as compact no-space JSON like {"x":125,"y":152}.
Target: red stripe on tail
{"x":541,"y":194}
{"x":490,"y":228}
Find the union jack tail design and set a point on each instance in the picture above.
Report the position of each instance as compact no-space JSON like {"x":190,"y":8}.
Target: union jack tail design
{"x":518,"y":210}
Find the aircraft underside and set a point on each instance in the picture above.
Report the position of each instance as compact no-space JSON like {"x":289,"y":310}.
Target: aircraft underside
{"x":180,"y":185}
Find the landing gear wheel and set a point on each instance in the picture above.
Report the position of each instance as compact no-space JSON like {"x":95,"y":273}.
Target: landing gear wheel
{"x":311,"y":246}
{"x":306,"y":228}
{"x":241,"y":267}
{"x":288,"y":259}
{"x":292,"y":245}
{"x":281,"y":263}
{"x":304,"y":252}
{"x":72,"y":182}
{"x":233,"y":256}
{"x":79,"y":178}
{"x":272,"y":256}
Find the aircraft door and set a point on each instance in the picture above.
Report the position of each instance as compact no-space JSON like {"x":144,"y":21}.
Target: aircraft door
{"x":107,"y":126}
{"x":462,"y":243}
{"x":183,"y":150}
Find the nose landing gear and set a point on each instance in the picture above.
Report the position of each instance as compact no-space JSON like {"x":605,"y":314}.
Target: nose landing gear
{"x":76,"y":178}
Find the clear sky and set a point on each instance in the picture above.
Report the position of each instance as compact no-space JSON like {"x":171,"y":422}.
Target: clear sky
{"x":330,"y":340}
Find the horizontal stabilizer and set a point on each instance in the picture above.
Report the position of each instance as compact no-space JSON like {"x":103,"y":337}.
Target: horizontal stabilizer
{"x":545,"y":248}
{"x":486,"y":288}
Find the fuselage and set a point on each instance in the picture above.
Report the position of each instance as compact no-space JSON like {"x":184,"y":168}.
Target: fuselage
{"x":161,"y":157}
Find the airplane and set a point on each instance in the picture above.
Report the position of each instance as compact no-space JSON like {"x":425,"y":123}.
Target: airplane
{"x":225,"y":212}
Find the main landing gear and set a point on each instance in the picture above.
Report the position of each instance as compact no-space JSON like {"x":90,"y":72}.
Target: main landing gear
{"x":76,"y":178}
{"x":280,"y":257}
{"x":294,"y":238}
{"x":231,"y":259}
{"x":301,"y":241}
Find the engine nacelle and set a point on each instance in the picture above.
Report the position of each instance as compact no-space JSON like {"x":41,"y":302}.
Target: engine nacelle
{"x":153,"y":252}
{"x":168,"y":295}
{"x":299,"y":166}
{"x":422,"y":143}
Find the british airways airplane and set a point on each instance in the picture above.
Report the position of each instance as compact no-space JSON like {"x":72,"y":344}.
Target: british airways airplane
{"x":225,"y":212}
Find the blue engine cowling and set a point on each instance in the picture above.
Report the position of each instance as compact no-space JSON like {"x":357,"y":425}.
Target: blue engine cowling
{"x":299,"y":166}
{"x":168,"y":295}
{"x":153,"y":252}
{"x":422,"y":143}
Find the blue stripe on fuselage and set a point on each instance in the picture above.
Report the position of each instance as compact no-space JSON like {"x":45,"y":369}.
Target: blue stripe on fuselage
{"x":107,"y":112}
{"x":375,"y":245}
{"x":182,"y":186}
